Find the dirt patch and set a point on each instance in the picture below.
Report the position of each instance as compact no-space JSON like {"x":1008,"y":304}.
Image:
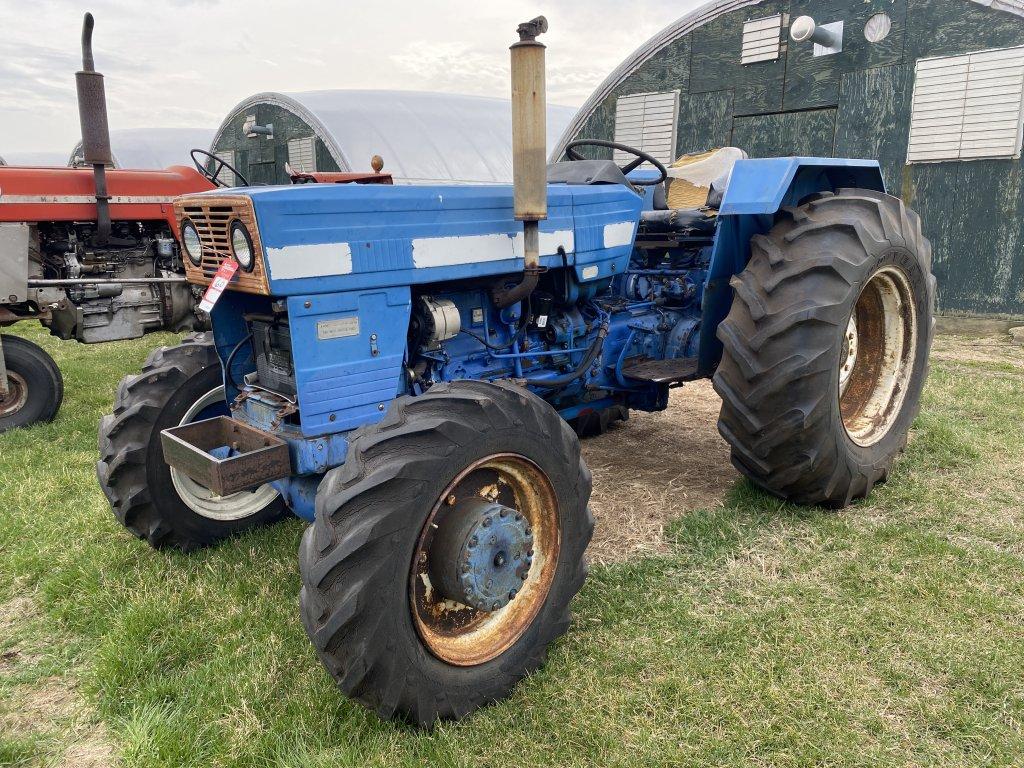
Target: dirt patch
{"x":45,"y":705}
{"x":961,"y":349}
{"x":655,"y":468}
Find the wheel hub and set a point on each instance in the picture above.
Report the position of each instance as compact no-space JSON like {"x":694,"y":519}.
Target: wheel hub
{"x":16,"y":397}
{"x":482,"y":554}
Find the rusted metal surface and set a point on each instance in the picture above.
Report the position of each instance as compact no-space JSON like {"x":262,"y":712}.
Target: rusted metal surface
{"x":339,"y":177}
{"x":259,"y":456}
{"x":16,"y":395}
{"x":212,"y":217}
{"x":876,"y":364}
{"x":457,"y":633}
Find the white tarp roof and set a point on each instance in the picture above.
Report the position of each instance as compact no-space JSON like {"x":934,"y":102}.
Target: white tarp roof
{"x":153,"y":148}
{"x":36,"y":159}
{"x":423,"y":137}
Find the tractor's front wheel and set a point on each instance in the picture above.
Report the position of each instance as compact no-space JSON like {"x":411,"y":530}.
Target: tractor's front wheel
{"x":178,"y":385}
{"x":826,"y":347}
{"x":35,"y":387}
{"x":446,"y":550}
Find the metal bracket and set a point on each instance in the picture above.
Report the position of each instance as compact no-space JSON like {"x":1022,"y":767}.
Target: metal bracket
{"x":836,"y":29}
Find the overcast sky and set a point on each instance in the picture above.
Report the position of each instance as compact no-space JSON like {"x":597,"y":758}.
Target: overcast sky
{"x":181,"y":63}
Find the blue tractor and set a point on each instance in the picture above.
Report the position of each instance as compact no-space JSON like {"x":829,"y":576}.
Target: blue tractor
{"x":401,"y":367}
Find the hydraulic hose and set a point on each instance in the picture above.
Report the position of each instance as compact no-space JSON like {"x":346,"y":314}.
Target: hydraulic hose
{"x":588,"y":360}
{"x":229,"y":379}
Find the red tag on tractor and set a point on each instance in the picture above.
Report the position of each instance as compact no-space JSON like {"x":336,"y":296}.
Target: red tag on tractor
{"x":223,"y":276}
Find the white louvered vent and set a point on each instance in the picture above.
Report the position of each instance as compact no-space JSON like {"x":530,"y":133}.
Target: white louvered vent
{"x":761,"y":39}
{"x":647,"y":121}
{"x":302,"y":154}
{"x":225,"y":176}
{"x":968,"y":107}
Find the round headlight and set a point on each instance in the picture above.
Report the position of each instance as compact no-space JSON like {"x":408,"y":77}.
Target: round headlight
{"x":193,"y":245}
{"x":241,"y":246}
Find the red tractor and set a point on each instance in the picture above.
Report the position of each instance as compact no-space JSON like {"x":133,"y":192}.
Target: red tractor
{"x":93,"y":254}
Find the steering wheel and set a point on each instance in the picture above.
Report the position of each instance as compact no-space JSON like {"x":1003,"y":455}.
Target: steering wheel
{"x":218,"y":166}
{"x":641,"y":157}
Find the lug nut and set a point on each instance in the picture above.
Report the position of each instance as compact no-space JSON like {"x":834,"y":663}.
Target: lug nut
{"x":474,"y":541}
{"x":512,"y":595}
{"x":451,"y":500}
{"x":495,"y":606}
{"x":487,"y":522}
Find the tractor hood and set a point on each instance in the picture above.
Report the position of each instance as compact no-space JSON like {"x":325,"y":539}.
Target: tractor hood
{"x":321,"y":238}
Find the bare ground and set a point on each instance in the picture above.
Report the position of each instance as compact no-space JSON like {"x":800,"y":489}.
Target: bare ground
{"x":45,"y":704}
{"x":654,"y":468}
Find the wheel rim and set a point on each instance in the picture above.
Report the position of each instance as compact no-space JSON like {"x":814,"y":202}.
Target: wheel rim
{"x":452,"y":630}
{"x":201,"y":499}
{"x":877,"y":358}
{"x":16,"y":397}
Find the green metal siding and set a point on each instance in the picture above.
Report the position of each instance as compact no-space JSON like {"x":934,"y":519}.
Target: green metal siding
{"x":809,"y":133}
{"x":856,"y":104}
{"x":262,"y":160}
{"x":874,"y":119}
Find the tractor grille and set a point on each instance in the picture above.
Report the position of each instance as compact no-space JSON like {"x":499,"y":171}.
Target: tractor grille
{"x":212,"y":217}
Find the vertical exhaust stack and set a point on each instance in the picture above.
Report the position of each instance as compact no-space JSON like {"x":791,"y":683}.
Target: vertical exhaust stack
{"x":529,"y":153}
{"x":92,"y":114}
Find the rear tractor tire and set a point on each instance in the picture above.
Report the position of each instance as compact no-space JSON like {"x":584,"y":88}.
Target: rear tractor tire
{"x":826,"y":347}
{"x":35,"y":388}
{"x":178,"y":385}
{"x":446,"y":550}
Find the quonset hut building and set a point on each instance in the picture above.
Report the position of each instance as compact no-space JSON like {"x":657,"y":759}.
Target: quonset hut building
{"x":422,"y":137}
{"x":151,"y":148}
{"x":931,"y":88}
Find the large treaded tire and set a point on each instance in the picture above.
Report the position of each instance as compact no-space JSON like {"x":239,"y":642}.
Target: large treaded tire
{"x":783,"y":338}
{"x":40,"y":376}
{"x":132,"y":471}
{"x":355,"y":559}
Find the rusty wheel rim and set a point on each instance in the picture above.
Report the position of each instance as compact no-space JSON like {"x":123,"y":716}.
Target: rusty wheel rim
{"x":877,"y":359}
{"x":16,"y":397}
{"x":455,"y":632}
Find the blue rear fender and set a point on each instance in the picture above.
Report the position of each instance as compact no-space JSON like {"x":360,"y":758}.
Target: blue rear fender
{"x":757,"y":191}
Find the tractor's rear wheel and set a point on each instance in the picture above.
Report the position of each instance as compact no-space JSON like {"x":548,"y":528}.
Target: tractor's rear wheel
{"x":35,"y":387}
{"x":178,"y":385}
{"x":826,"y":347}
{"x":446,"y":550}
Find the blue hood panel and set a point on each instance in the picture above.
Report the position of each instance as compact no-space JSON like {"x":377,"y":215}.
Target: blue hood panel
{"x":324,"y":238}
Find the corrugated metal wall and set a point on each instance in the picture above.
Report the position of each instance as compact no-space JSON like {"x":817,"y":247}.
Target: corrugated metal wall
{"x":858,"y":104}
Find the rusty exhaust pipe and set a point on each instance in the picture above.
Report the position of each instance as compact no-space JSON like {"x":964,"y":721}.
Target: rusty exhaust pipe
{"x":92,"y":115}
{"x":529,"y":153}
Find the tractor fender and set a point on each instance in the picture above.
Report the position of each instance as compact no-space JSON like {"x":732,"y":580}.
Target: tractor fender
{"x":757,"y":190}
{"x":764,"y":186}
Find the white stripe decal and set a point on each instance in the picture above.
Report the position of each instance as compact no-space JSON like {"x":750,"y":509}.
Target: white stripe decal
{"x":476,"y":249}
{"x":87,"y":199}
{"x":323,"y":260}
{"x":619,"y":233}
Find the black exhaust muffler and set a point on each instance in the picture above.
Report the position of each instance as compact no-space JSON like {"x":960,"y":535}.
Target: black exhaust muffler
{"x":92,"y":114}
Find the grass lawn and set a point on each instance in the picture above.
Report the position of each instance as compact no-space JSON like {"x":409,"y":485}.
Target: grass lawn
{"x":759,"y":634}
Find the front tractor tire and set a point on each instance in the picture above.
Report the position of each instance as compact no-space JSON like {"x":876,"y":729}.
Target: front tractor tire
{"x":826,"y":347}
{"x":35,"y":387}
{"x":177,"y":385}
{"x":446,"y":550}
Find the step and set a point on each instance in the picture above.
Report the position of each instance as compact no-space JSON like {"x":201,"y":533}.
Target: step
{"x":662,"y":371}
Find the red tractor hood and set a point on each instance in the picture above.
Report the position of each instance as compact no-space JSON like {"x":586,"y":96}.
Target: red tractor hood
{"x":68,"y":194}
